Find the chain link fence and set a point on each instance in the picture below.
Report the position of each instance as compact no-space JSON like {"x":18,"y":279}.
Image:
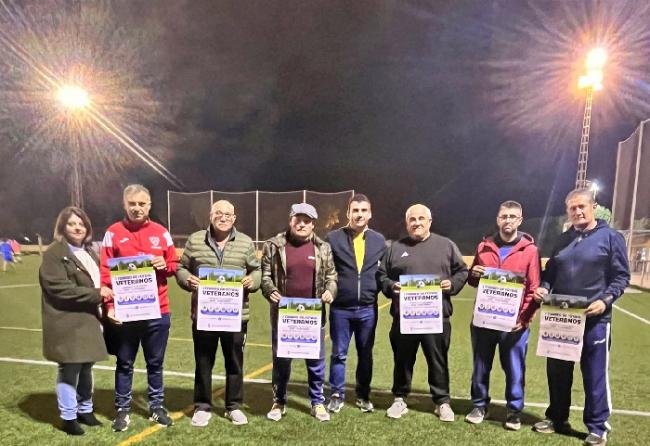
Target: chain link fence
{"x":631,"y":204}
{"x":260,"y":214}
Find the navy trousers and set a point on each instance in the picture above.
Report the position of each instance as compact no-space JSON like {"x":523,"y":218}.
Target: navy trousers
{"x":153,"y":335}
{"x":512,"y":355}
{"x":594,"y":366}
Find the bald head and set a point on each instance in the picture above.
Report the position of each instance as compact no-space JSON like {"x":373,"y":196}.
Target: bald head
{"x":418,"y":222}
{"x":418,"y":208}
{"x":222,"y":216}
{"x":223,"y":204}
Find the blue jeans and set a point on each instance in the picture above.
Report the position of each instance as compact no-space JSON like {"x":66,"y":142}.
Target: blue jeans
{"x":512,"y":354}
{"x":153,"y":335}
{"x":74,"y":389}
{"x":282,"y":371}
{"x":362,"y":322}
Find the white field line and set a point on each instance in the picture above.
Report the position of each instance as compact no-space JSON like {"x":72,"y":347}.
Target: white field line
{"x":623,"y":310}
{"x":21,"y":329}
{"x":38,"y":330}
{"x":112,"y":369}
{"x":20,"y":285}
{"x":637,"y":413}
{"x":635,"y":316}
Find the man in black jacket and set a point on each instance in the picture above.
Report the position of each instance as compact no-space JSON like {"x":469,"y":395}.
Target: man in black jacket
{"x":357,"y":251}
{"x":422,"y":252}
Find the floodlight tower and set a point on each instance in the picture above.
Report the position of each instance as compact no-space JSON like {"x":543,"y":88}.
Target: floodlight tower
{"x":591,"y":81}
{"x":74,"y":99}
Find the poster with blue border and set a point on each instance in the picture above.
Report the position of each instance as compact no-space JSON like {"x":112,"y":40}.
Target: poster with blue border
{"x":220,"y":299}
{"x":135,"y":287}
{"x":299,"y":328}
{"x":561,"y":333}
{"x":420,"y":304}
{"x":498,"y":299}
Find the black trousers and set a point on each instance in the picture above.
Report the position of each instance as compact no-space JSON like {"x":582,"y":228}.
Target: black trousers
{"x":205,"y":350}
{"x":435,"y":348}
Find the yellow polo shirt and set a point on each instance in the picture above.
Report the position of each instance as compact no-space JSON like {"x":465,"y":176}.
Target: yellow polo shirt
{"x":359,"y":242}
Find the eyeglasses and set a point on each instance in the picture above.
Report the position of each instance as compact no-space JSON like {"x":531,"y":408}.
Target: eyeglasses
{"x":509,"y":217}
{"x":219,"y":215}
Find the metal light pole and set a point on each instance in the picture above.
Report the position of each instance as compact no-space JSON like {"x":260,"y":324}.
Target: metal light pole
{"x":74,"y":99}
{"x":592,"y":81}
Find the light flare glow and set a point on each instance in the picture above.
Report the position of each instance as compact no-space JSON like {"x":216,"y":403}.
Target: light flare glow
{"x":73,"y":97}
{"x":76,"y":89}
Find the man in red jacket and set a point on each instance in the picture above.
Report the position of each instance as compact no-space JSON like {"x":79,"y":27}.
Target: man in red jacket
{"x":137,"y":235}
{"x":514,"y":251}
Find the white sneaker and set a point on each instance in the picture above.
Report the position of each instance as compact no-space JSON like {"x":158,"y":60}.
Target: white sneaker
{"x":237,"y":417}
{"x":276,"y":412}
{"x":319,"y":412}
{"x":336,"y":403}
{"x":397,"y":409}
{"x":444,"y":412}
{"x":201,"y":418}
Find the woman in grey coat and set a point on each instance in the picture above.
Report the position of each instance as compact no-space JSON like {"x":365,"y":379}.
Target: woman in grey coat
{"x":72,"y":335}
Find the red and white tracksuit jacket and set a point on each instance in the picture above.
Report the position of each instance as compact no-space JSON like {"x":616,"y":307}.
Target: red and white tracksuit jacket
{"x":126,"y":239}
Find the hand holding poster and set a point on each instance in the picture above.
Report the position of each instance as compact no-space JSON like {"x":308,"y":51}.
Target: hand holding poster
{"x":498,"y":299}
{"x":299,"y":328}
{"x":561,"y":332}
{"x":135,"y":287}
{"x":220,"y":300}
{"x":420,"y":304}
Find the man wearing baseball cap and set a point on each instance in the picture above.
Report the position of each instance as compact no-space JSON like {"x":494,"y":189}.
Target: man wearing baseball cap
{"x":297,"y":263}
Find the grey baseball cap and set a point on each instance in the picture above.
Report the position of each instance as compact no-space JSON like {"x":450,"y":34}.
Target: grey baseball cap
{"x":305,"y":209}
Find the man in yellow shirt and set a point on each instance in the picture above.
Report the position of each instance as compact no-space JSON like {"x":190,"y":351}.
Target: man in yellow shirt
{"x":357,"y":251}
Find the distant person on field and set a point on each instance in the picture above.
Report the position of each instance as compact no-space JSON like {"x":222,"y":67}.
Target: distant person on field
{"x":296,"y":263}
{"x":357,"y":251}
{"x":72,"y":298}
{"x":219,"y":246}
{"x":514,"y":251}
{"x":137,"y":235}
{"x":589,"y":260}
{"x":7,"y":255}
{"x":15,"y":247}
{"x":422,"y":252}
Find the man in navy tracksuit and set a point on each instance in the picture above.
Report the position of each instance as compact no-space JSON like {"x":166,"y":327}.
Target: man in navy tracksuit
{"x":590,"y":260}
{"x":357,"y":251}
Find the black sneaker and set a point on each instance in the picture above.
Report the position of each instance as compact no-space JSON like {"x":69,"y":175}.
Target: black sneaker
{"x":121,"y":421}
{"x":513,"y":421}
{"x":72,"y":427}
{"x":88,"y":419}
{"x":160,"y":416}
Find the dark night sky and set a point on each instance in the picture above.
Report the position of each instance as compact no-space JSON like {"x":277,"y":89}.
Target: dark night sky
{"x":459,"y":105}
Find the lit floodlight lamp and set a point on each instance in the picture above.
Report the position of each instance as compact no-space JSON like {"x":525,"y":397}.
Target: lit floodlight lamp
{"x":73,"y":97}
{"x":596,"y":59}
{"x":594,"y":64}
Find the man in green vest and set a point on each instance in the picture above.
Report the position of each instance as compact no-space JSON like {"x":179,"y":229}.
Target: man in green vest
{"x":219,"y":246}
